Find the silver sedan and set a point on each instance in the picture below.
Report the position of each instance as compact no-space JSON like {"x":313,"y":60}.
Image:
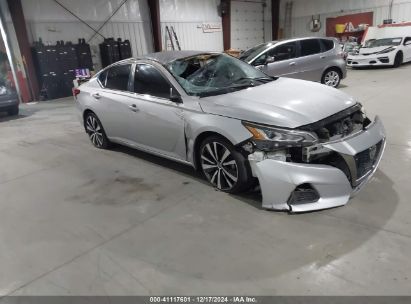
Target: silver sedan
{"x":308,"y":146}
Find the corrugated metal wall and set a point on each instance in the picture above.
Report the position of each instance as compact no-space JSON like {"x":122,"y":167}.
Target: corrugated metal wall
{"x":304,"y":9}
{"x":50,"y":22}
{"x":187,"y":17}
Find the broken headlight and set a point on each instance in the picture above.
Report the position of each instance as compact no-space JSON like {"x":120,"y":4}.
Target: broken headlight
{"x":271,"y":138}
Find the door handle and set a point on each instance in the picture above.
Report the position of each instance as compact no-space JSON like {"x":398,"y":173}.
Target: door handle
{"x":322,"y":57}
{"x":292,"y":63}
{"x":133,"y":108}
{"x":96,"y":95}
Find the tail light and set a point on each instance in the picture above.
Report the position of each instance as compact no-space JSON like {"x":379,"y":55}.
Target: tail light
{"x":76,"y":91}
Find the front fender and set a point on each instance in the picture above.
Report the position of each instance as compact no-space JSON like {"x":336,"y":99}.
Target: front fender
{"x":199,"y":123}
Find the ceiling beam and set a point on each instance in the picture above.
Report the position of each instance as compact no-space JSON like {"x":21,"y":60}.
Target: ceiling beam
{"x":19,"y":23}
{"x":225,"y":10}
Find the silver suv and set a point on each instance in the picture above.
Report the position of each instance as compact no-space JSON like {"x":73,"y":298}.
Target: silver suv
{"x":316,"y":59}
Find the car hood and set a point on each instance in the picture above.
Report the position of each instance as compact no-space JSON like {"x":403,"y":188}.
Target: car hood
{"x":284,"y":102}
{"x":369,"y":51}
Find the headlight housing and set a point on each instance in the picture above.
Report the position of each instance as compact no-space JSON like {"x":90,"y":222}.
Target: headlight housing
{"x":268,"y":138}
{"x":387,"y":50}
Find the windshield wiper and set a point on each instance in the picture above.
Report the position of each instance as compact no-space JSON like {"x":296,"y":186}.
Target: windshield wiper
{"x":261,"y":79}
{"x":225,"y":90}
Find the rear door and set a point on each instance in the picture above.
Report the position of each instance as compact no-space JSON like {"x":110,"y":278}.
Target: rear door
{"x":285,"y":60}
{"x":407,"y":49}
{"x":312,"y":60}
{"x":113,"y":100}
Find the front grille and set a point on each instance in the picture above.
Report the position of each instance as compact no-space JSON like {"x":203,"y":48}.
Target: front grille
{"x":366,"y":159}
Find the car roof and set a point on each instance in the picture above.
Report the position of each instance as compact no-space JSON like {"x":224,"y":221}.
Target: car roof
{"x":162,"y":58}
{"x":169,"y":56}
{"x":296,"y":39}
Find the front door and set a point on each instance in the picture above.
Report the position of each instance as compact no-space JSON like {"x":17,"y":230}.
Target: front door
{"x":159,"y":122}
{"x":285,"y":60}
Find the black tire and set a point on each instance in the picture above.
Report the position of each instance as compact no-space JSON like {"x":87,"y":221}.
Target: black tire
{"x":95,"y":131}
{"x":331,"y":77}
{"x":398,"y":60}
{"x":229,"y":173}
{"x":13,"y":111}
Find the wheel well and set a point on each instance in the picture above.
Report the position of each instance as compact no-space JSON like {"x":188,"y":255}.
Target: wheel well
{"x":399,"y":53}
{"x":333,"y":68}
{"x":197,"y":143}
{"x":85,"y":113}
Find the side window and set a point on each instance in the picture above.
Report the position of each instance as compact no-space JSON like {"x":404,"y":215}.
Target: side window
{"x":117,"y":77}
{"x":328,"y":44}
{"x":407,"y":41}
{"x":260,"y":60}
{"x":310,"y":47}
{"x":284,"y":51}
{"x":102,"y":78}
{"x":148,"y":80}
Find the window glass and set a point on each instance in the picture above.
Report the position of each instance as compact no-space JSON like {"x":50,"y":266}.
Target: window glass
{"x":328,"y":44}
{"x":148,"y":80}
{"x":102,"y":78}
{"x":117,"y":77}
{"x":284,"y":51}
{"x":215,"y":74}
{"x":407,"y":40}
{"x":383,"y":42}
{"x":254,"y":51}
{"x":310,"y":47}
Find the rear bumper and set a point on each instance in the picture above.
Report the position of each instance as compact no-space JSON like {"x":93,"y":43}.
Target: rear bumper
{"x":279,"y":179}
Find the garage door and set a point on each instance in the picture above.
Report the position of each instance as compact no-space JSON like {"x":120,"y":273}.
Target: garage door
{"x":247,"y":24}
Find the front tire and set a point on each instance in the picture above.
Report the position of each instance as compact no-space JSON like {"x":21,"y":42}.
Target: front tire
{"x":331,"y":77}
{"x":398,"y":60}
{"x":223,"y":166}
{"x":95,"y":131}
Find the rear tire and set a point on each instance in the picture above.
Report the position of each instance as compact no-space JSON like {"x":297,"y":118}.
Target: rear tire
{"x":331,"y":77}
{"x":95,"y":131}
{"x":223,"y":166}
{"x":398,"y":60}
{"x":13,"y":111}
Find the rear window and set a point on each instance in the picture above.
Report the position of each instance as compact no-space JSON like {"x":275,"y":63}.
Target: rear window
{"x":327,"y":44}
{"x":117,"y":77}
{"x":310,"y":47}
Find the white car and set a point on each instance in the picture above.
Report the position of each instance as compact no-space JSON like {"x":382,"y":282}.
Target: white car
{"x":382,"y":52}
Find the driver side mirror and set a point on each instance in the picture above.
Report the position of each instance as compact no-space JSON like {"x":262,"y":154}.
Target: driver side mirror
{"x":269,"y":60}
{"x":174,"y":96}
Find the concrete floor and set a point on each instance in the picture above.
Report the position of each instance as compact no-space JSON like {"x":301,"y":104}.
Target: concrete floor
{"x":79,"y":221}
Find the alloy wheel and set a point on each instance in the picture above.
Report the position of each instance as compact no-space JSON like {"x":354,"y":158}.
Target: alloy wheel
{"x":332,"y":78}
{"x":219,"y":166}
{"x":95,"y":131}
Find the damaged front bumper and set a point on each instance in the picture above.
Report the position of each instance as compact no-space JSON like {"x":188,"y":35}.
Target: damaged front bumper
{"x":300,"y":187}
